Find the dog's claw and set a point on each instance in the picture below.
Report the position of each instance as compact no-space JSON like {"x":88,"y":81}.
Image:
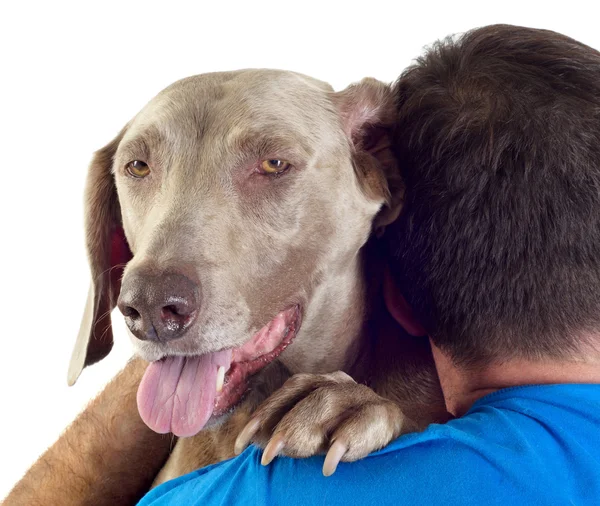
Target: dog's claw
{"x":272,"y":449}
{"x":244,"y":438}
{"x":337,"y":450}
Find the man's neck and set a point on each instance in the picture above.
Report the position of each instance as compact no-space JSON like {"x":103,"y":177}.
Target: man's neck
{"x":462,"y":387}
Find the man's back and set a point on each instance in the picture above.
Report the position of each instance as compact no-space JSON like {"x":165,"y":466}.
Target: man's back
{"x":521,"y":445}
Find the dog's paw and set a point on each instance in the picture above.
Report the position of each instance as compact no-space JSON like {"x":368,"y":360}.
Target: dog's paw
{"x":318,"y":413}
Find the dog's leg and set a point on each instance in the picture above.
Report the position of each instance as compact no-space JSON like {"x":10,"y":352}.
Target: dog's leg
{"x":107,"y":456}
{"x":317,"y":413}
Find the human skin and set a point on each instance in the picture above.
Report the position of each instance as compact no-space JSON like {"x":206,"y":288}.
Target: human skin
{"x":462,"y":386}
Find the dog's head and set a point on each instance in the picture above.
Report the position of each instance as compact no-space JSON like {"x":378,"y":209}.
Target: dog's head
{"x":220,"y":214}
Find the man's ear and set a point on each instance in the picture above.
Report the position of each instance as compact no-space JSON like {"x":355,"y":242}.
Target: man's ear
{"x":108,"y":253}
{"x":398,"y":307}
{"x":368,"y":113}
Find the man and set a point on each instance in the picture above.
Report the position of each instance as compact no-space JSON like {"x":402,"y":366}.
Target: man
{"x":497,"y":256}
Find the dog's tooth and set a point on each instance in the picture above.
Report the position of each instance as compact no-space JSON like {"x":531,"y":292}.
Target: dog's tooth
{"x":220,"y":378}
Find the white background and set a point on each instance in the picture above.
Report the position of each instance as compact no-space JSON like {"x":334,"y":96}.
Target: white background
{"x":71,"y":74}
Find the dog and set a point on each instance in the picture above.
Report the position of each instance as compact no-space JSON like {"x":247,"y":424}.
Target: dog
{"x":228,"y":222}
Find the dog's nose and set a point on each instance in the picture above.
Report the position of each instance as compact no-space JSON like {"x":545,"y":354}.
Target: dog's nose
{"x":158,"y":307}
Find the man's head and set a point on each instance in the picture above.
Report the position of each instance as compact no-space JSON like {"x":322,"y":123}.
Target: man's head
{"x":497,"y":250}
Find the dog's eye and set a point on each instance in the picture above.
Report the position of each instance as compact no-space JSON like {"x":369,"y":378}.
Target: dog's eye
{"x":274,"y":166}
{"x":137,"y":168}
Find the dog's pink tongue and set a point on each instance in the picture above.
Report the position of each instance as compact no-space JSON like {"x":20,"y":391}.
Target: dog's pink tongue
{"x":177,"y":394}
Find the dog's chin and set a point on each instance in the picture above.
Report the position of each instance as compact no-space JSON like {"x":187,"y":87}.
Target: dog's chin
{"x":217,"y":420}
{"x":153,"y":353}
{"x":186,"y":346}
{"x":149,"y":353}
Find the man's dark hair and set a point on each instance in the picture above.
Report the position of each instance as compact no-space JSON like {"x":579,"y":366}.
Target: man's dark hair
{"x":497,"y":249}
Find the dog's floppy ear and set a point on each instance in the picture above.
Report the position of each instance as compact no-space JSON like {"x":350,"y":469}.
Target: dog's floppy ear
{"x":368,"y":114}
{"x":108,"y":252}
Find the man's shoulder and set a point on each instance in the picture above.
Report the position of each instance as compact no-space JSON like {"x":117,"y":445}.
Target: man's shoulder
{"x":497,"y":419}
{"x":509,"y":447}
{"x":512,"y":444}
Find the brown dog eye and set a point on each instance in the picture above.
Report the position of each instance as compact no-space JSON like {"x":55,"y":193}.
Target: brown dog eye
{"x":274,"y":166}
{"x":137,"y":168}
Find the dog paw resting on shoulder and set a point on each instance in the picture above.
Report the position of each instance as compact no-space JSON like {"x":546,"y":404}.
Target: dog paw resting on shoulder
{"x":323,"y":413}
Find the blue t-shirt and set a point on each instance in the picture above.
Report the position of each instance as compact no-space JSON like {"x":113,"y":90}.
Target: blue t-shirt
{"x":517,"y":446}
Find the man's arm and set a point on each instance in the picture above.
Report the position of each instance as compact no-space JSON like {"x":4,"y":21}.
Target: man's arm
{"x":106,"y":456}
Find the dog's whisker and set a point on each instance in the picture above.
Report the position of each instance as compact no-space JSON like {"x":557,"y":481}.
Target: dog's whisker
{"x":109,"y":270}
{"x":104,"y":315}
{"x":109,"y":327}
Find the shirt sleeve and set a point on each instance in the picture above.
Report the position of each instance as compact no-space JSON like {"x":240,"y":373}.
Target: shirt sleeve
{"x":428,"y":472}
{"x":522,"y":445}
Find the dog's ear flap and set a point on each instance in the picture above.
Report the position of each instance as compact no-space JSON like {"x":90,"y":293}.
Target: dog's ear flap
{"x":108,"y":252}
{"x":368,"y":114}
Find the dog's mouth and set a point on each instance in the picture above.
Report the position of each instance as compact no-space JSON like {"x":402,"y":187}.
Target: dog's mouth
{"x":180,"y":394}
